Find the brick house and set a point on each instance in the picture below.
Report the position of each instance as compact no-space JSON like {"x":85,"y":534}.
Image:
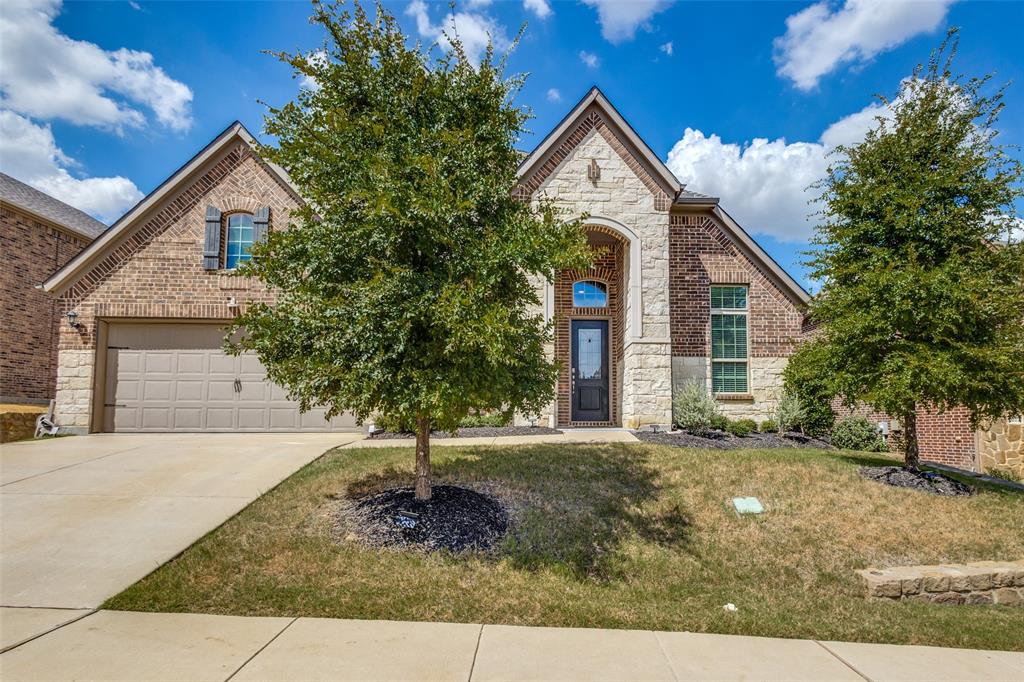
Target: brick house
{"x":38,"y":234}
{"x":680,"y":292}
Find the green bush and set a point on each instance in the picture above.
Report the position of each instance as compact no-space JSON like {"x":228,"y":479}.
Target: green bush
{"x":720,"y":422}
{"x":808,"y":375}
{"x":394,"y":424}
{"x":769,"y":426}
{"x":857,"y":433}
{"x":495,"y":419}
{"x":1004,"y":473}
{"x":693,"y":408}
{"x":741,"y":427}
{"x":789,"y":411}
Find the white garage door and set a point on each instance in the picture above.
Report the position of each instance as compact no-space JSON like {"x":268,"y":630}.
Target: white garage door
{"x":175,"y":377}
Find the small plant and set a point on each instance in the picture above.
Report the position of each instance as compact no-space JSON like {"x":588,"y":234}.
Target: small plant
{"x":395,"y":424}
{"x":857,"y":433}
{"x":769,"y":426}
{"x":1005,"y":473}
{"x":494,"y":419}
{"x":741,"y":428}
{"x":720,"y":422}
{"x":789,"y":411}
{"x":693,"y":409}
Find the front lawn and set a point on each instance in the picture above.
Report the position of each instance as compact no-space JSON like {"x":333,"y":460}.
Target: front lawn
{"x":619,"y":536}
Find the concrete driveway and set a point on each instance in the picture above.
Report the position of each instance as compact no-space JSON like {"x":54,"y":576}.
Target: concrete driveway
{"x":85,"y":517}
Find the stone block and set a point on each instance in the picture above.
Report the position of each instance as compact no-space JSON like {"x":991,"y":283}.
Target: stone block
{"x":948,"y":598}
{"x":1008,"y":596}
{"x":935,"y":582}
{"x":978,"y":598}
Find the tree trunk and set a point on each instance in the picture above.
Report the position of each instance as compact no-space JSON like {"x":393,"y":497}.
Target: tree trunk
{"x":911,"y":454}
{"x":423,"y":490}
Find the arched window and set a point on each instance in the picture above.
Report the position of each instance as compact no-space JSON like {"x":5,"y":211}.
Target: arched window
{"x":240,"y":238}
{"x":588,"y":294}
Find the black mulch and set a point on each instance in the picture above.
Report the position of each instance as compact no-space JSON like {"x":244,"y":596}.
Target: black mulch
{"x":926,"y":481}
{"x":473,"y":432}
{"x":454,"y":519}
{"x":721,"y":440}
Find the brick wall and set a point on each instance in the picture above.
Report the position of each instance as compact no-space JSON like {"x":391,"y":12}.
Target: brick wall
{"x":32,"y":251}
{"x":946,"y":438}
{"x":157,"y":271}
{"x":701,"y":254}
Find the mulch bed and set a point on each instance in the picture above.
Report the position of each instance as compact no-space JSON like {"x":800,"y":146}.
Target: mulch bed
{"x":721,"y":440}
{"x":473,"y":432}
{"x":454,"y":519}
{"x":925,"y":481}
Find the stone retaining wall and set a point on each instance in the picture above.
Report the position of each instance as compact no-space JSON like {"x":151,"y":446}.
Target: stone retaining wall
{"x":18,"y":425}
{"x":979,"y":582}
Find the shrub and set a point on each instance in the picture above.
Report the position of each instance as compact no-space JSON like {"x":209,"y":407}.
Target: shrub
{"x":809,"y":376}
{"x":769,"y":426}
{"x":857,"y":433}
{"x":741,"y":427}
{"x":495,"y":419}
{"x":789,"y":411}
{"x":720,"y":422}
{"x":395,"y":424}
{"x":1004,"y":473}
{"x":693,"y":409}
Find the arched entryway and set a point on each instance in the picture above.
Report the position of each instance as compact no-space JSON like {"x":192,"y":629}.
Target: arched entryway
{"x":590,"y":312}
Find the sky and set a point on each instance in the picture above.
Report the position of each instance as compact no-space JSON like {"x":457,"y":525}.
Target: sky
{"x":101,"y":101}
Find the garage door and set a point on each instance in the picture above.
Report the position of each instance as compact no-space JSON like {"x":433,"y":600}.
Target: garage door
{"x":175,"y":377}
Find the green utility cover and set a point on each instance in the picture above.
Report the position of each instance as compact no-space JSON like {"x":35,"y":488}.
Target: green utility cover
{"x":747,"y":505}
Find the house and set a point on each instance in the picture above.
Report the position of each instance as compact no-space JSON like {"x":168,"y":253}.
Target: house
{"x":680,"y":292}
{"x":38,"y":234}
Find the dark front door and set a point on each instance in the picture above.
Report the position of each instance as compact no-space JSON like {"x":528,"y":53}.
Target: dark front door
{"x":589,"y":370}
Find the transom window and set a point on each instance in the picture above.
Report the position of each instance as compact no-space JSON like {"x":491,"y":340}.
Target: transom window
{"x":589,"y":294}
{"x":729,"y":339}
{"x":240,"y":238}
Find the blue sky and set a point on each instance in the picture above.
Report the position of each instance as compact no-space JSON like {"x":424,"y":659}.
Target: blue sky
{"x":101,"y":101}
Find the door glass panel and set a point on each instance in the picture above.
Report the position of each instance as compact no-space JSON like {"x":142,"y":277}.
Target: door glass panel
{"x":588,"y":355}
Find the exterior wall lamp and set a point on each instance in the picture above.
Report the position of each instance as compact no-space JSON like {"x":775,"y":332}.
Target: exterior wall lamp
{"x":73,"y":320}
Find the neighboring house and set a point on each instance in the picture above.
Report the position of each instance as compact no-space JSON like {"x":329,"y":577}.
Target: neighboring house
{"x":38,"y":234}
{"x":679,"y":292}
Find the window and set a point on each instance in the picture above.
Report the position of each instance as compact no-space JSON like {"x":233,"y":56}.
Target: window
{"x":1016,"y":419}
{"x":240,"y":238}
{"x":729,"y":339}
{"x":589,"y":295}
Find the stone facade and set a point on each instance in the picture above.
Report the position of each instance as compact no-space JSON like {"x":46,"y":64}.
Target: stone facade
{"x":980,"y":582}
{"x":30,"y":318}
{"x":1001,"y":446}
{"x":629,"y":203}
{"x":156,"y":272}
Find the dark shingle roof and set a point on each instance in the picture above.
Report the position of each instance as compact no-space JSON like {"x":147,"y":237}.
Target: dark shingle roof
{"x":19,"y":194}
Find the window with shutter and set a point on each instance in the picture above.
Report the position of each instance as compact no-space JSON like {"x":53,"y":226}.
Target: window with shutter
{"x":211,"y":242}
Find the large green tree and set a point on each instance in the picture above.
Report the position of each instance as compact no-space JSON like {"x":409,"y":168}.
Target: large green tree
{"x":404,"y":283}
{"x":923,"y":283}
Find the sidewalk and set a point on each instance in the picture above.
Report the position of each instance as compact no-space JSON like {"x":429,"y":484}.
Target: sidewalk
{"x":567,"y":436}
{"x":114,"y":645}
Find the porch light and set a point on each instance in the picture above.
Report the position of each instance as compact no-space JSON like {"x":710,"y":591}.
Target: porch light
{"x":73,"y":320}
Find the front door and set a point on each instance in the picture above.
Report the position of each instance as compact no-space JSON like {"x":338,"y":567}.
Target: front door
{"x":589,"y":370}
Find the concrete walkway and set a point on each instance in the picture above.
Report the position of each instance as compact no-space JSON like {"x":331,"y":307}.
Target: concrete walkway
{"x":85,"y":517}
{"x":111,"y":645}
{"x":567,"y":436}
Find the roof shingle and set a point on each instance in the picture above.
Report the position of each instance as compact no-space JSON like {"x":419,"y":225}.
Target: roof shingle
{"x":19,"y":194}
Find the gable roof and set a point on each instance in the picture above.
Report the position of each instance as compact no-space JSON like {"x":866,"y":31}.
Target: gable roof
{"x":136,"y":215}
{"x":42,"y":205}
{"x":680,"y":196}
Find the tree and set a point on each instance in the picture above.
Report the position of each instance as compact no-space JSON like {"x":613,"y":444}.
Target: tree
{"x":923,"y":283}
{"x":404,"y":283}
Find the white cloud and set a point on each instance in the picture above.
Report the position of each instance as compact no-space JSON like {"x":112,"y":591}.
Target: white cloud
{"x":539,"y":7}
{"x":474,"y":29}
{"x":29,"y":153}
{"x":134,"y":5}
{"x":667,"y":48}
{"x":765,"y":184}
{"x":620,"y":19}
{"x":590,"y":59}
{"x":820,"y":39}
{"x":554,"y":95}
{"x":47,"y":75}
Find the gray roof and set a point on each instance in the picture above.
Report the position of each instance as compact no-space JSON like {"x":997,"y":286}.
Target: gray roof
{"x":43,"y":205}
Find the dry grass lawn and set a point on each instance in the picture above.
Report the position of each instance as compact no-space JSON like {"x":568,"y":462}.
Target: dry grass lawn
{"x":619,"y":536}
